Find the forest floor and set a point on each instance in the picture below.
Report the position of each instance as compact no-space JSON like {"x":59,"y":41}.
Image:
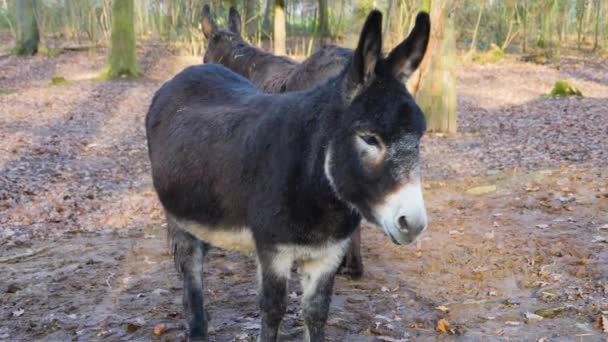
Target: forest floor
{"x":517,"y":203}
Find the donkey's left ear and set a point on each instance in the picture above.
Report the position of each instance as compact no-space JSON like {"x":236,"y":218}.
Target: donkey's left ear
{"x":234,"y":21}
{"x":406,"y":57}
{"x":207,"y":22}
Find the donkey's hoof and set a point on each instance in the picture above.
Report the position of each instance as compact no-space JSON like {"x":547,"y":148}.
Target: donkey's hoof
{"x":351,"y":271}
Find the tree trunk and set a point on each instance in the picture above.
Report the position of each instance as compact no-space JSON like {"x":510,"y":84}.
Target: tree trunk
{"x":122,"y":59}
{"x":524,"y":26}
{"x":251,"y":18}
{"x":323,"y":32}
{"x":436,"y":94}
{"x":473,"y":47}
{"x":580,"y":20}
{"x":598,"y":9}
{"x":279,"y":28}
{"x":267,"y":26}
{"x":27,"y":28}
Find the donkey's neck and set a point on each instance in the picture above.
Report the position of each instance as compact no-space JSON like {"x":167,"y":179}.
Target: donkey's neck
{"x":267,"y":71}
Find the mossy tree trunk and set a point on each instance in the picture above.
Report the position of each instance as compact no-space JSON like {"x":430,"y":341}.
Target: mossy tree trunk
{"x":267,"y":26}
{"x":27,"y":28}
{"x":122,"y":60}
{"x":323,"y":32}
{"x":436,"y":91}
{"x":251,"y":18}
{"x":279,"y":28}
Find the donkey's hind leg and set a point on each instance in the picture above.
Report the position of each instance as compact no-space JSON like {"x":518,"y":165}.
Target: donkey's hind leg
{"x":317,"y":282}
{"x":352,"y":264}
{"x":189,"y":253}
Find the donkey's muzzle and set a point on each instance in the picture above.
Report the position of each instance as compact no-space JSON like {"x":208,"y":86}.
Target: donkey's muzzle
{"x":403,"y":215}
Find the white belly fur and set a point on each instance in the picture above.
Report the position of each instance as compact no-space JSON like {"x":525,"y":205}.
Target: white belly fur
{"x":234,"y":239}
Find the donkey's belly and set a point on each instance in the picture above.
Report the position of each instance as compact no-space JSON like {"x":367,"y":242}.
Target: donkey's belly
{"x":235,"y":239}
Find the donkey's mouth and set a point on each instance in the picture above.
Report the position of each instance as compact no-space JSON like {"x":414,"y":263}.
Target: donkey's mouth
{"x":393,"y":239}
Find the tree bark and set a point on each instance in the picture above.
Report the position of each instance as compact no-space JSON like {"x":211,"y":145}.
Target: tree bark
{"x":323,"y":31}
{"x":473,"y":46}
{"x":27,"y":28}
{"x":122,"y":58}
{"x":279,"y":28}
{"x":436,"y":94}
{"x":251,"y":18}
{"x":598,"y":9}
{"x":267,"y":26}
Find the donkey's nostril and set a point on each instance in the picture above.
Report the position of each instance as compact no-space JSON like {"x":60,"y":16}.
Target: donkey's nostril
{"x":402,"y":222}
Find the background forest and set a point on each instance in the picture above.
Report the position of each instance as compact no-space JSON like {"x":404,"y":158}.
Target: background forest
{"x":524,"y":26}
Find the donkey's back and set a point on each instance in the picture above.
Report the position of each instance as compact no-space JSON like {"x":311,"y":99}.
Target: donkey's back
{"x":195,"y":120}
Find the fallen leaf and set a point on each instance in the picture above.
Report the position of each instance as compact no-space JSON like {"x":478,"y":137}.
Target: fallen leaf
{"x":602,"y":323}
{"x":482,"y":190}
{"x":443,"y":326}
{"x":390,"y":339}
{"x":531,"y":317}
{"x":159,"y":329}
{"x":383,"y":318}
{"x":599,"y":238}
{"x":162,"y":328}
{"x":131,"y":328}
{"x":443,"y":308}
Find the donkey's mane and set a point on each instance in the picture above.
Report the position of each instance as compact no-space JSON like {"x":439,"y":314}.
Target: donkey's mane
{"x":254,"y":63}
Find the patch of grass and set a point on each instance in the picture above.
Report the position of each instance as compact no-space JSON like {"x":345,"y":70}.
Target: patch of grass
{"x":106,"y":75}
{"x":493,"y":55}
{"x":550,"y":313}
{"x":7,"y":91}
{"x":44,"y":50}
{"x":58,"y":80}
{"x":563,"y":89}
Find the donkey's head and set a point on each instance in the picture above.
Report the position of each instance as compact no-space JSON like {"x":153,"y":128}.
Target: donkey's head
{"x":372,"y":160}
{"x":222,"y":42}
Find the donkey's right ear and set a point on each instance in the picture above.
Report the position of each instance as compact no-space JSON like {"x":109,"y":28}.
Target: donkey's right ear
{"x":368,"y":50}
{"x":207,"y":22}
{"x":234,"y":21}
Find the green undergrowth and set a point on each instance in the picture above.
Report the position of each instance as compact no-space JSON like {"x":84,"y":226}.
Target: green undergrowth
{"x":7,"y":91}
{"x":563,"y":89}
{"x":493,"y":55}
{"x":59,"y":80}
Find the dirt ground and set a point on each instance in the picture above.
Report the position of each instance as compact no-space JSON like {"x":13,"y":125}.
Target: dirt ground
{"x":517,"y":202}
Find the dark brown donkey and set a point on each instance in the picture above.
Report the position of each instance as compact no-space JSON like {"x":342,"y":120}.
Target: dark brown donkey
{"x":277,"y":74}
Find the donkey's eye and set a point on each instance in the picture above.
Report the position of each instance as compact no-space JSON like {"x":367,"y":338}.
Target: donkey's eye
{"x":370,"y":139}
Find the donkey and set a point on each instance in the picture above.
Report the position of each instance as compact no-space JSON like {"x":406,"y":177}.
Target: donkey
{"x":274,"y":74}
{"x":270,"y":73}
{"x":289,"y":176}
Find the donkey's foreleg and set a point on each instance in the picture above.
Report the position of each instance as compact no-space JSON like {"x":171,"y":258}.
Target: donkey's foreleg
{"x":273,"y":273}
{"x":189,"y":253}
{"x":317,"y":282}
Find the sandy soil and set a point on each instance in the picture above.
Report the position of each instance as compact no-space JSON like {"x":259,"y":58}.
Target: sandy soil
{"x":518,"y":203}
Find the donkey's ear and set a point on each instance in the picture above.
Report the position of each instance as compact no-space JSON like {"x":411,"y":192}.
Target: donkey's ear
{"x":368,"y":50}
{"x":207,"y":22}
{"x":406,"y":57}
{"x":234,"y":21}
